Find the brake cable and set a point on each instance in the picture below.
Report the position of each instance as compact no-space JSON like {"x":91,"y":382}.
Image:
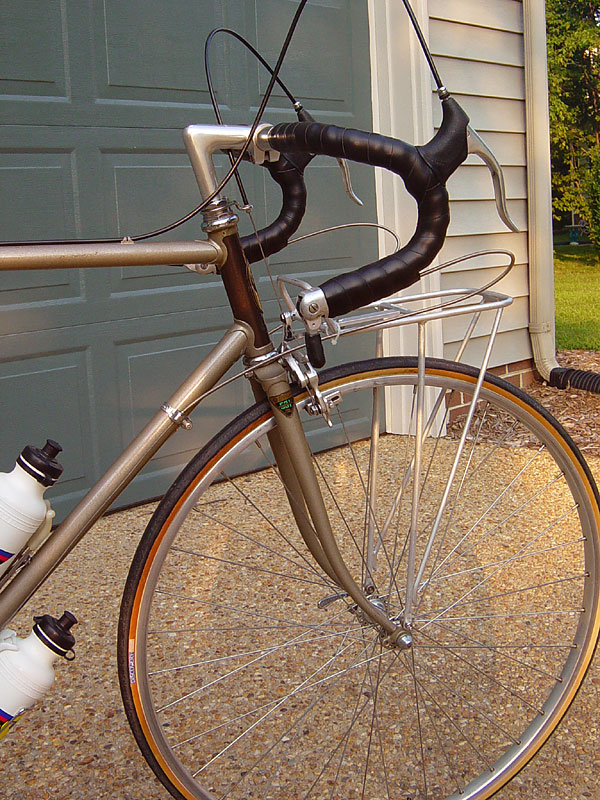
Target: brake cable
{"x":274,"y":79}
{"x":424,"y":47}
{"x":238,"y":160}
{"x":213,"y":97}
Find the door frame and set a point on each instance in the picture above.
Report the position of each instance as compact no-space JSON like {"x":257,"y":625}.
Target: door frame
{"x":401,"y":91}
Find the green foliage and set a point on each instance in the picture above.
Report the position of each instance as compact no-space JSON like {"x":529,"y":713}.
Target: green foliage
{"x":577,"y":298}
{"x":590,"y":185}
{"x":573,"y":32}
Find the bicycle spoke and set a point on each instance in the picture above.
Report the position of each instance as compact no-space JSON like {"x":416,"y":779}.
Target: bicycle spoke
{"x":414,"y":675}
{"x":250,"y":567}
{"x":310,"y":568}
{"x":450,"y":720}
{"x":309,"y":564}
{"x":479,"y":645}
{"x":270,"y":704}
{"x":480,"y":671}
{"x":280,"y":738}
{"x":368,"y":510}
{"x":344,"y":739}
{"x":509,"y":592}
{"x":238,"y":610}
{"x":295,"y":691}
{"x":457,"y":494}
{"x":504,"y":562}
{"x":488,"y":577}
{"x":471,"y":475}
{"x":332,"y":494}
{"x":512,"y":515}
{"x":459,"y":788}
{"x":324,"y":690}
{"x":492,"y":506}
{"x":265,"y":650}
{"x":374,"y":688}
{"x":299,"y":507}
{"x":396,"y":510}
{"x":346,"y":736}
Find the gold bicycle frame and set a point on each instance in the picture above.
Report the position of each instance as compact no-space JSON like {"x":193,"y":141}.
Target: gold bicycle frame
{"x":248,"y":336}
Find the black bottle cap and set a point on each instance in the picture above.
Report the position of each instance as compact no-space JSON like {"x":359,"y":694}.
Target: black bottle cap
{"x":56,"y":633}
{"x":42,"y":464}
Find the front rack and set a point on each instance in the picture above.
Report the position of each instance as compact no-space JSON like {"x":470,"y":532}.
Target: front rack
{"x":417,"y":309}
{"x":394,"y":313}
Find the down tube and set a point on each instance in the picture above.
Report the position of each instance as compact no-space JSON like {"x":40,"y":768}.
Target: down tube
{"x":121,"y":473}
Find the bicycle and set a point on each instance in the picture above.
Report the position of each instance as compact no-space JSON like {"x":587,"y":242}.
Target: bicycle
{"x":422,"y":619}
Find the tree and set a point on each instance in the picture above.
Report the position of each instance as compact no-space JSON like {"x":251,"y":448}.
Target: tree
{"x":573,"y":32}
{"x":591,"y":195}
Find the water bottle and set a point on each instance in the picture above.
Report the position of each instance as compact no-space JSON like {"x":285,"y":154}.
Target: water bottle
{"x":22,"y":505}
{"x":26,"y":665}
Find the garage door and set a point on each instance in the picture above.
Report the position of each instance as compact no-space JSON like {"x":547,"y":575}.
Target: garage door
{"x":94,"y":97}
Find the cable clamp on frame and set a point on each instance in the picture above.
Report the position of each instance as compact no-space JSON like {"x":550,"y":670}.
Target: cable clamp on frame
{"x":177,"y":416}
{"x":203,"y":269}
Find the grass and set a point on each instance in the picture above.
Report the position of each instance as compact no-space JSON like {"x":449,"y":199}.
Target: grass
{"x":577,"y":297}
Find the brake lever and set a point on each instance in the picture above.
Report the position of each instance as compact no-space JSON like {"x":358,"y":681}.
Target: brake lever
{"x":476,"y":146}
{"x":348,"y":183}
{"x":306,"y":116}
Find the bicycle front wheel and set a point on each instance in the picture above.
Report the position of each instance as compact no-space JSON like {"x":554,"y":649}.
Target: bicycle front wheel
{"x":247,"y":674}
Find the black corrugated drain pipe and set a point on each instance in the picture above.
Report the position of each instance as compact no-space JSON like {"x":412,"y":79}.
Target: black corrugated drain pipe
{"x":567,"y":378}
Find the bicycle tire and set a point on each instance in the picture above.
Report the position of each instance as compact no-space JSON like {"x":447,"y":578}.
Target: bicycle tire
{"x":236,"y":684}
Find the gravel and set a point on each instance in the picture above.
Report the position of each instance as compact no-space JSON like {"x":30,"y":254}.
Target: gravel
{"x":76,"y":743}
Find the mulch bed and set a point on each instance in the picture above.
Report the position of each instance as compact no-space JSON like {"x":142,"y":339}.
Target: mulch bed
{"x":576,"y":410}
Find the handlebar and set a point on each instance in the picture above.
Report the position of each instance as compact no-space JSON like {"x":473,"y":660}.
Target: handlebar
{"x":424,"y":171}
{"x":288,"y":172}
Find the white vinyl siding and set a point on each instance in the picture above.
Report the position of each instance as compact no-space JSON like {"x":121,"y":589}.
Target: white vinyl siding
{"x":478,"y":47}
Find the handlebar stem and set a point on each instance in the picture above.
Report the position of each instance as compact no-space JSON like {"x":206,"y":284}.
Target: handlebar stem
{"x":201,"y":141}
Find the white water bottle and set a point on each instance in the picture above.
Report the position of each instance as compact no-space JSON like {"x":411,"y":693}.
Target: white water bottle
{"x":22,"y":504}
{"x":26,"y":665}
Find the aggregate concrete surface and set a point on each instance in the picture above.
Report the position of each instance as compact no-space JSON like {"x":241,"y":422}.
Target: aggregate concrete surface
{"x":76,"y":743}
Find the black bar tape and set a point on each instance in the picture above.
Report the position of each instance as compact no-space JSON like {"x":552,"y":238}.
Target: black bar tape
{"x":288,"y":172}
{"x":424,"y":171}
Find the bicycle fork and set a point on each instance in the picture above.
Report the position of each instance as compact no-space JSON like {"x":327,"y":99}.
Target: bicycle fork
{"x":294,"y":460}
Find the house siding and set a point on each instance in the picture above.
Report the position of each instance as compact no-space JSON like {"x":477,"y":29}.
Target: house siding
{"x":479,"y":50}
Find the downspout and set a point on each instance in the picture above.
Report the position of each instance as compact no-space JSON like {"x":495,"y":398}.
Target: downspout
{"x":539,"y":192}
{"x":539,"y":189}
